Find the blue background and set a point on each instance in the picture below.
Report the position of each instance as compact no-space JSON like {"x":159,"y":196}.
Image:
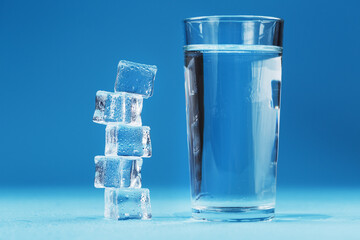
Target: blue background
{"x":55,"y":55}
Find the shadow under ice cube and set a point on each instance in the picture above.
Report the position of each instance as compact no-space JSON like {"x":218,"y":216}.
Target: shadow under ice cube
{"x":117,"y":172}
{"x":122,"y":204}
{"x":122,"y":140}
{"x":135,"y":78}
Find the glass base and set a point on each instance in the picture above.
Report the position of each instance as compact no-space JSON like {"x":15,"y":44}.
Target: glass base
{"x":234,"y":214}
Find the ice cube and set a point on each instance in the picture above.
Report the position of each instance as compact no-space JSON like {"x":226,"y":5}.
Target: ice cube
{"x":135,"y":78}
{"x":117,"y":172}
{"x":126,"y":203}
{"x":123,"y":140}
{"x":118,"y":108}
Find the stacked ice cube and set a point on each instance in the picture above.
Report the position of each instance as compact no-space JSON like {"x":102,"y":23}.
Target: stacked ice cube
{"x":127,"y":142}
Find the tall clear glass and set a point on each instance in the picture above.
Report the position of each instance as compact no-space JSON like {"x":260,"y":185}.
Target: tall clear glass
{"x":232,"y":85}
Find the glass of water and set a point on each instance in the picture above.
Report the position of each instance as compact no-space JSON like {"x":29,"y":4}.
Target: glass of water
{"x":232,"y":85}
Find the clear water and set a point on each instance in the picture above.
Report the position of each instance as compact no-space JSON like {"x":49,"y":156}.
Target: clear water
{"x":233,"y":110}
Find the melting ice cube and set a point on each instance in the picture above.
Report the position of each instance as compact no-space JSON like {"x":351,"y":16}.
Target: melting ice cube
{"x":121,"y":204}
{"x":117,"y":172}
{"x":123,"y":140}
{"x":135,"y":78}
{"x":118,"y":108}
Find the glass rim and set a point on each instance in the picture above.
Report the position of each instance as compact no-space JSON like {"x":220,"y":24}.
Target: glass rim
{"x":233,"y":18}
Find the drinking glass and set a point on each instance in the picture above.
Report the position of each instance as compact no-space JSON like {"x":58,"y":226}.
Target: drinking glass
{"x":232,"y":85}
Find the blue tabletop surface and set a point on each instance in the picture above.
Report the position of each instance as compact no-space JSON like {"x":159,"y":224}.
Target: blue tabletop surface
{"x":77,"y":213}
